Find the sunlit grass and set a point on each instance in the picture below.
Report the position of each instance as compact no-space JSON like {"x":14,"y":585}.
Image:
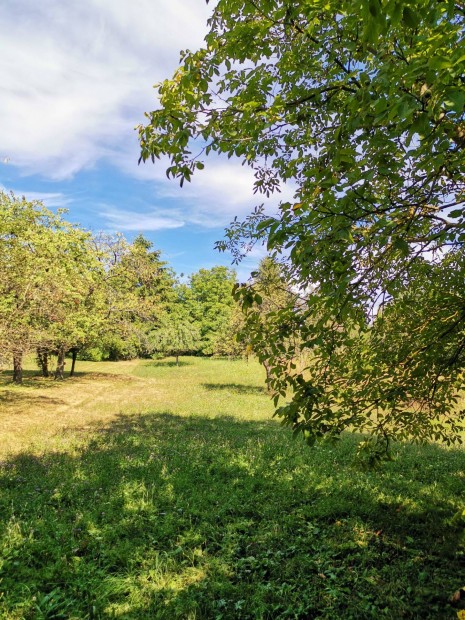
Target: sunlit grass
{"x":149,"y":491}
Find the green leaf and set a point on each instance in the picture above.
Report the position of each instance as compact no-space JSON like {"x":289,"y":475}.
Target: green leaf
{"x":410,"y":17}
{"x":455,"y":99}
{"x":440,"y":62}
{"x":402,"y":245}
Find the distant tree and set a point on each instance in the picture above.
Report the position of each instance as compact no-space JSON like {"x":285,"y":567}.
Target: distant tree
{"x":176,"y":336}
{"x":137,"y":290}
{"x":42,"y":358}
{"x":272,"y":310}
{"x":230,"y":339}
{"x":77,"y":312}
{"x":209,"y":302}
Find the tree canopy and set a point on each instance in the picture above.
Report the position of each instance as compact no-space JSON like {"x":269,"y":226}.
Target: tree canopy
{"x":359,"y":107}
{"x":176,"y":336}
{"x":209,"y":302}
{"x":48,"y":283}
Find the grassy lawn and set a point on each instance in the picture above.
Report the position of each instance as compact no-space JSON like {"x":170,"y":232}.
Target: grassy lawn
{"x":141,"y":490}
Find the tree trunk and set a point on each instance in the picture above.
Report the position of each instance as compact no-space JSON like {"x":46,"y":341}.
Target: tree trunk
{"x":18,"y":368}
{"x":42,"y":360}
{"x":268,"y":375}
{"x":74,"y":352}
{"x":177,"y":360}
{"x":60,"y":369}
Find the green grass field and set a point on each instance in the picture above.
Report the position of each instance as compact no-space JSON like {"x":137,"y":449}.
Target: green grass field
{"x":141,"y":490}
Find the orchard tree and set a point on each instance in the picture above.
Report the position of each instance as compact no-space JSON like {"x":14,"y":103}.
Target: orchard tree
{"x":23,"y":271}
{"x":137,"y":290}
{"x":273,"y":318}
{"x":74,"y":289}
{"x":48,"y":277}
{"x":231,"y":340}
{"x":176,"y":336}
{"x":209,"y":302}
{"x":359,"y":105}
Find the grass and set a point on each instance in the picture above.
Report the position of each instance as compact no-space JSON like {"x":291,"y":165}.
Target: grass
{"x":139,"y":490}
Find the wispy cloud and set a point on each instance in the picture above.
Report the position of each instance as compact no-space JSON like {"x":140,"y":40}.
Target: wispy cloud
{"x":49,"y":199}
{"x":217,"y":194}
{"x":122,"y":220}
{"x":77,"y":77}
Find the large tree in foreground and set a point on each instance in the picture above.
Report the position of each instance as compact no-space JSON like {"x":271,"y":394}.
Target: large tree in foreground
{"x":360,"y":105}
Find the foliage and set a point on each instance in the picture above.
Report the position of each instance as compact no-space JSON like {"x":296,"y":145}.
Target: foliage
{"x":175,"y":504}
{"x":176,"y":335}
{"x":138,"y":287}
{"x":49,"y":275}
{"x":272,"y":313}
{"x":62,"y":289}
{"x":231,"y":341}
{"x":360,"y":106}
{"x":209,"y":303}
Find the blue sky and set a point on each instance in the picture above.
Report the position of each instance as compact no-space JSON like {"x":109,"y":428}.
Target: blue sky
{"x":77,"y":77}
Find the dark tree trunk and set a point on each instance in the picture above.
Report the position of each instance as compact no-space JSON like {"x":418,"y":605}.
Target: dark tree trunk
{"x":18,"y":368}
{"x":268,"y":375}
{"x":74,"y":352}
{"x":177,"y":360}
{"x":42,"y":360}
{"x":60,"y":369}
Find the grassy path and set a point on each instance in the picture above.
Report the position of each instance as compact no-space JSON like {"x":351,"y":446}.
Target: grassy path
{"x":139,"y":490}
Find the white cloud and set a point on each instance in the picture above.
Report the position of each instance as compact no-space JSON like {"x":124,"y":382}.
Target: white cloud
{"x":49,"y":199}
{"x":76,"y":79}
{"x":223,"y":190}
{"x":123,"y":220}
{"x":77,"y":76}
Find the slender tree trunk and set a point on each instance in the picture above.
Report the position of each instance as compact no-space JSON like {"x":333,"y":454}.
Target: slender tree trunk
{"x":268,"y":375}
{"x":74,"y":352}
{"x":18,"y":368}
{"x":60,"y":369}
{"x":177,"y":360}
{"x":42,"y":359}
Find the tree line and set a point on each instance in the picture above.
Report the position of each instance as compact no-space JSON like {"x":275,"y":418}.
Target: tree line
{"x":66,"y":291}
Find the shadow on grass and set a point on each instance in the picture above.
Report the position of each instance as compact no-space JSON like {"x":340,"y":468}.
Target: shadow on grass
{"x":30,"y":378}
{"x":236,"y":388}
{"x":12,"y":397}
{"x":160,"y":516}
{"x":168,"y":363}
{"x":33,"y":379}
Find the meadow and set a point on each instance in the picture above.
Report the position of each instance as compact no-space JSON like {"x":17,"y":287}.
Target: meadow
{"x":142,"y":490}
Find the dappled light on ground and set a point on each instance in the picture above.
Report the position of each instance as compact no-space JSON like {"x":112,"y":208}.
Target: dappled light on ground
{"x":162,"y":514}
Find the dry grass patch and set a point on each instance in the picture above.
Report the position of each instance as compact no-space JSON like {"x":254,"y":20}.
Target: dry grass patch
{"x":44,"y":413}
